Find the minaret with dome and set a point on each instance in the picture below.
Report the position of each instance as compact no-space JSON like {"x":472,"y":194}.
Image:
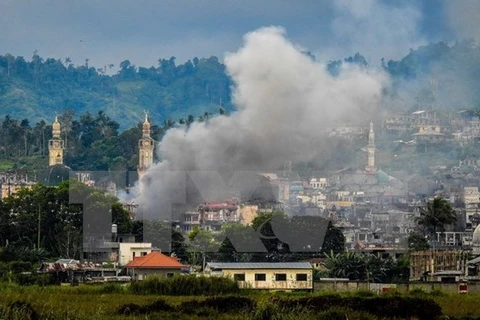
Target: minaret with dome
{"x":55,"y":145}
{"x":145,"y":149}
{"x":371,"y":150}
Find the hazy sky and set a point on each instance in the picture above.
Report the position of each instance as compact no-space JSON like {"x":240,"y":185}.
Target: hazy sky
{"x":110,"y":31}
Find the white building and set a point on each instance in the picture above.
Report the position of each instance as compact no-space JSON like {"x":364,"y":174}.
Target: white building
{"x":318,"y":183}
{"x":471,"y":198}
{"x":127,"y":251}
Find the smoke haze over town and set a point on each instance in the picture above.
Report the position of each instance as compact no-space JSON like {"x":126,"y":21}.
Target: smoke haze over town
{"x":309,"y":145}
{"x":286,"y":103}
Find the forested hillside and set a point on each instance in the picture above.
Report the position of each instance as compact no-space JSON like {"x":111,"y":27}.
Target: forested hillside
{"x":39,"y":88}
{"x":441,"y":74}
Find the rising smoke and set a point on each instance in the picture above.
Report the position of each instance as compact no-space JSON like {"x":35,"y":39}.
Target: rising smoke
{"x":285,"y":102}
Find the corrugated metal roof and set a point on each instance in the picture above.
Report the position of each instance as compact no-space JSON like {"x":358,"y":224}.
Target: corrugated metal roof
{"x":259,"y":265}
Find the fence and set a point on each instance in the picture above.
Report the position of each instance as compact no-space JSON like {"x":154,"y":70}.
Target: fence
{"x":341,"y":285}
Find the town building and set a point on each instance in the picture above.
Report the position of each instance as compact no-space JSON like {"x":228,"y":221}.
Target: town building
{"x":11,"y":183}
{"x":128,"y":251}
{"x":318,"y":183}
{"x":211,"y":215}
{"x":429,"y":133}
{"x":145,"y":149}
{"x":73,"y":271}
{"x":471,"y":198}
{"x":427,"y":265}
{"x":154,"y":264}
{"x":266,"y":275}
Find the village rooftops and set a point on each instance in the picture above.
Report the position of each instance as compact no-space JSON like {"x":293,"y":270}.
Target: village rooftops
{"x":259,"y":265}
{"x":155,"y":260}
{"x":218,"y":205}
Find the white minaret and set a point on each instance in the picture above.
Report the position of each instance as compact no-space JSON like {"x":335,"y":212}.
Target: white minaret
{"x":145,"y":149}
{"x":371,"y":149}
{"x":55,"y":145}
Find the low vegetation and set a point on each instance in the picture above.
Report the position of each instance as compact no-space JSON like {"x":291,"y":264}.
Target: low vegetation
{"x":185,"y":286}
{"x":118,"y":302}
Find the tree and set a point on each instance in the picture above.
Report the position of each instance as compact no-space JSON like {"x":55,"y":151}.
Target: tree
{"x":200,"y":243}
{"x":435,"y":216}
{"x":334,"y":240}
{"x":417,"y":242}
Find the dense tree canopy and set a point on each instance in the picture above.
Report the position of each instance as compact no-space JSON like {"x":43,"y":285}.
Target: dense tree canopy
{"x":39,"y":88}
{"x":42,"y":218}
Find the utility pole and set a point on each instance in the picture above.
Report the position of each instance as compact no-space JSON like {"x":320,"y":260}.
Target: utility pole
{"x":38,"y":235}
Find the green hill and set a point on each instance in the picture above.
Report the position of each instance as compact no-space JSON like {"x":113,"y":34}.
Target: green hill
{"x":38,"y":89}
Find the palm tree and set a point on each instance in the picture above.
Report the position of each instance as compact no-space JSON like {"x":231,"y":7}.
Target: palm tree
{"x":345,"y":265}
{"x":435,"y":215}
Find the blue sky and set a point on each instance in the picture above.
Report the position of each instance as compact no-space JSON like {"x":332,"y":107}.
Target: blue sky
{"x":110,"y":31}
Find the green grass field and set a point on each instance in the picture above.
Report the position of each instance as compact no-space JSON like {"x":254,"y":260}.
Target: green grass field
{"x":116,"y":302}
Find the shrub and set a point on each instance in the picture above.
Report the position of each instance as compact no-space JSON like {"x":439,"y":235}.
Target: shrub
{"x":380,"y":306}
{"x":227,"y":304}
{"x":28,"y":279}
{"x":135,"y":309}
{"x":20,"y":266}
{"x":230,"y":303}
{"x":112,"y":288}
{"x":332,"y":314}
{"x":437,"y":293}
{"x":21,"y":310}
{"x":343,"y":314}
{"x":185,"y":286}
{"x":417,"y":292}
{"x":130,"y":309}
{"x":158,"y":305}
{"x":365,"y":293}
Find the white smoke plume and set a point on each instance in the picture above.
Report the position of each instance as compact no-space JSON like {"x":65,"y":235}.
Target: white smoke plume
{"x":285,"y":101}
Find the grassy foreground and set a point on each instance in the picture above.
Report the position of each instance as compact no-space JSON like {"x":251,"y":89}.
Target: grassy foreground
{"x":116,"y":302}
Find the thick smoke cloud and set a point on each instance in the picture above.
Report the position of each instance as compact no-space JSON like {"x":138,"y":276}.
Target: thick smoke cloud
{"x":285,"y":103}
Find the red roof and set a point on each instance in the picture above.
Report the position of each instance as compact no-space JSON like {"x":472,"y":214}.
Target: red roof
{"x":155,"y":260}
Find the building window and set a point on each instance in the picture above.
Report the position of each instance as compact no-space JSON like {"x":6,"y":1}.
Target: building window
{"x":239,"y":277}
{"x":134,"y":255}
{"x":281,"y":277}
{"x":169,"y":275}
{"x":260,"y":277}
{"x":144,"y":254}
{"x":301,"y":277}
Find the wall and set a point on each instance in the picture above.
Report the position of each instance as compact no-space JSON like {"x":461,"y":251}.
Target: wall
{"x":343,"y":286}
{"x":270,"y":282}
{"x":126,"y":250}
{"x":142,"y":274}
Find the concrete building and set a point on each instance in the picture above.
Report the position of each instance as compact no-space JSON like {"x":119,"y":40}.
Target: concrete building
{"x":428,"y":133}
{"x":471,"y":198}
{"x":10,"y":184}
{"x":318,"y":183}
{"x":128,"y":251}
{"x":268,"y":276}
{"x":154,"y":264}
{"x":427,"y":265}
